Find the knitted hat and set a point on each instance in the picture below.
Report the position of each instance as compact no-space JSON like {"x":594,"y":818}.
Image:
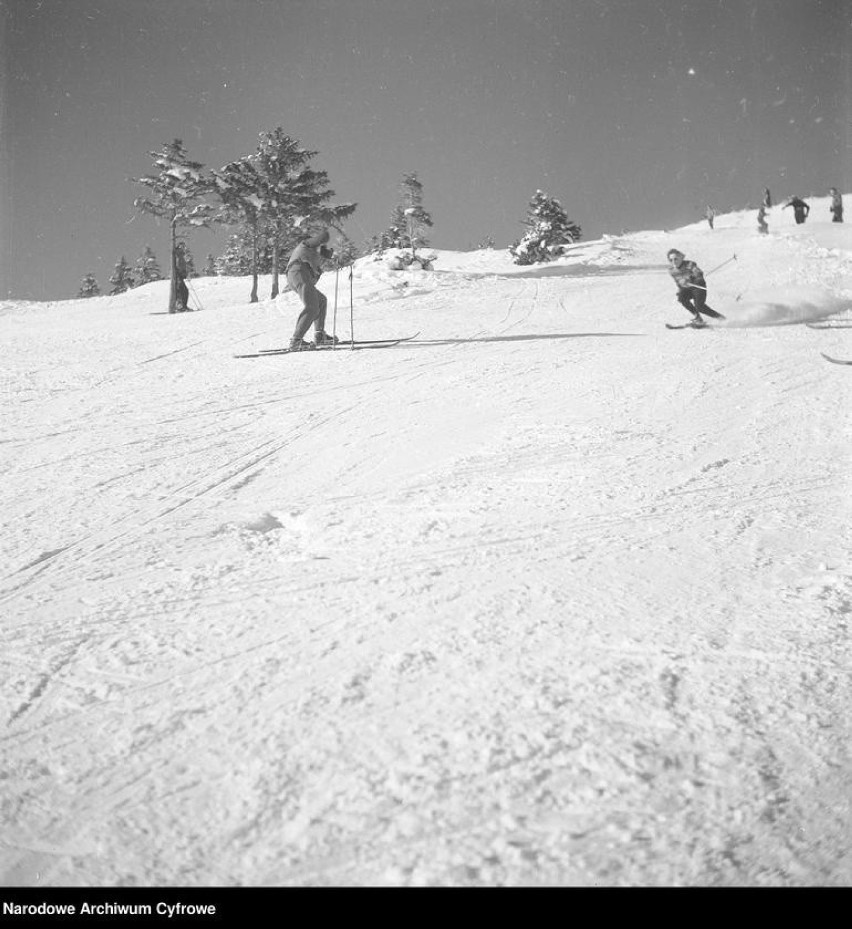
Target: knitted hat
{"x":319,"y":239}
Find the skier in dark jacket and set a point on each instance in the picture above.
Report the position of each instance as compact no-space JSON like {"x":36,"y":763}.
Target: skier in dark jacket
{"x":691,"y":287}
{"x":836,"y":207}
{"x":303,"y":272}
{"x":181,"y":290}
{"x":800,"y":209}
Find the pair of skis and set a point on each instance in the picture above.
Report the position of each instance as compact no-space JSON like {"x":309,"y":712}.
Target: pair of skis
{"x":827,"y":324}
{"x":836,"y":361}
{"x":340,"y":346}
{"x":691,"y":325}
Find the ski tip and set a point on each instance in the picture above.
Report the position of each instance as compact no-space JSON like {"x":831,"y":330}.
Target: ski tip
{"x":836,"y":361}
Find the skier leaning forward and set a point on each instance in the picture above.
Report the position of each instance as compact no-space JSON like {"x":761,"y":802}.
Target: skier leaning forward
{"x":303,"y":272}
{"x":691,"y":287}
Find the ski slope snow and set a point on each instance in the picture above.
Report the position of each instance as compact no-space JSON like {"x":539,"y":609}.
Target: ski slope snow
{"x":550,"y":595}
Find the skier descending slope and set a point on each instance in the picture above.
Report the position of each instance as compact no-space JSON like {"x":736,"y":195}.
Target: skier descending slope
{"x":303,"y":271}
{"x":691,"y":287}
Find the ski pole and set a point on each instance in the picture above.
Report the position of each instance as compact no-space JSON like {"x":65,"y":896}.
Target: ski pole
{"x":194,"y":294}
{"x":351,"y":308}
{"x":722,"y":265}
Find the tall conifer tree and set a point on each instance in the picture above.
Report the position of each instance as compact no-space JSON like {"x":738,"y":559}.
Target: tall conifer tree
{"x":295,"y":195}
{"x":175,"y":194}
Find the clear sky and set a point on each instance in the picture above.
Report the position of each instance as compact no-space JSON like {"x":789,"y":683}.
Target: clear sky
{"x":636,"y":114}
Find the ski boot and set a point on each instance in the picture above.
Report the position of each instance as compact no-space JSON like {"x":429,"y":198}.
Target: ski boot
{"x":323,"y":338}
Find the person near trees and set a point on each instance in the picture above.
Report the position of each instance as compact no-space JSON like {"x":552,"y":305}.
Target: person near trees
{"x":303,"y":272}
{"x":710,"y":215}
{"x":181,"y":290}
{"x":800,"y":209}
{"x":691,"y":287}
{"x":836,"y":207}
{"x":767,"y":198}
{"x":762,"y":225}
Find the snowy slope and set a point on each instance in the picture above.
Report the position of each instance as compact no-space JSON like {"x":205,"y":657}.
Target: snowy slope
{"x":551,"y":595}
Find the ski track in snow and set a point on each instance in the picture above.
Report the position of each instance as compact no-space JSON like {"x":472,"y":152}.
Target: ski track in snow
{"x":549,"y":596}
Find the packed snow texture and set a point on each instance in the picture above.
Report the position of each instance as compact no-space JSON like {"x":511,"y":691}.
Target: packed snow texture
{"x":550,"y":595}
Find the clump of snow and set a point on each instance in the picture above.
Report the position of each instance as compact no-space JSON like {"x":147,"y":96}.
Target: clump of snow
{"x":787,"y":305}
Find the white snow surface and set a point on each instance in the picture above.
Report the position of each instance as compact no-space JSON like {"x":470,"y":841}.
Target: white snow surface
{"x":549,"y":596}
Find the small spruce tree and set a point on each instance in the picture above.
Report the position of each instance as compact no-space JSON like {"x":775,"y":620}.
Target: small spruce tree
{"x":89,"y":286}
{"x":377,"y":245}
{"x":122,"y":277}
{"x":147,"y":268}
{"x":237,"y":259}
{"x":345,"y":250}
{"x":409,"y":220}
{"x":549,"y":231}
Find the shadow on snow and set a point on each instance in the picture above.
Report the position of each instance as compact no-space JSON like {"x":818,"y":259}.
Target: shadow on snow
{"x":576,"y":271}
{"x":528,"y":338}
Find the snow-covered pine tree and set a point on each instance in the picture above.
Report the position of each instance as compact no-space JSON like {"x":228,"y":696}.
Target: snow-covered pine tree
{"x":295,"y":195}
{"x":345,"y":250}
{"x":176,"y":194}
{"x":89,"y":286}
{"x":236,"y":261}
{"x":377,"y":245}
{"x":147,"y":268}
{"x":122,"y":277}
{"x":409,"y":220}
{"x":242,"y":189}
{"x":549,"y":231}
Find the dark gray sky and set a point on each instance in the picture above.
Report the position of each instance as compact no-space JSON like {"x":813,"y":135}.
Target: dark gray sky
{"x":634,"y":113}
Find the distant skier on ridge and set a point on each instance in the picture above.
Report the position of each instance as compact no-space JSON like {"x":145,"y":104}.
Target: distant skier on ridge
{"x":836,"y":208}
{"x":691,"y":287}
{"x":303,"y":272}
{"x":800,"y":209}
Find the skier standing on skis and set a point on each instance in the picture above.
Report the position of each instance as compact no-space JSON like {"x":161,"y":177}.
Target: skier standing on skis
{"x":800,"y":209}
{"x":762,"y":225}
{"x":836,"y":207}
{"x":303,"y":272}
{"x":691,"y":287}
{"x":181,"y":290}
